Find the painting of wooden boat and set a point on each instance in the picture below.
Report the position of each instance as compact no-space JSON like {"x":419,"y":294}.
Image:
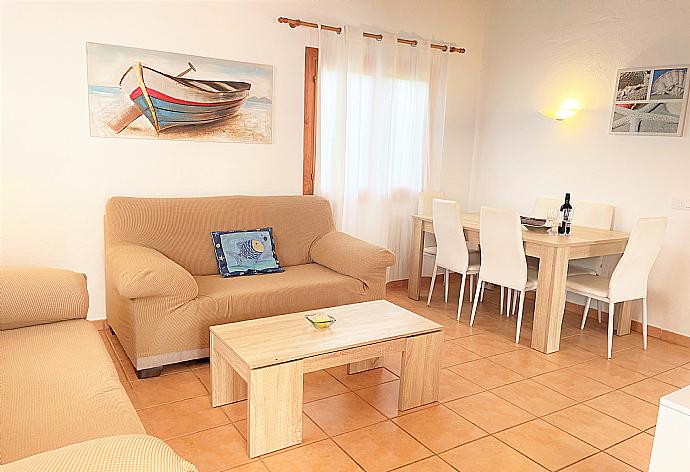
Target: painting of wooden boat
{"x":168,"y":101}
{"x":142,"y":93}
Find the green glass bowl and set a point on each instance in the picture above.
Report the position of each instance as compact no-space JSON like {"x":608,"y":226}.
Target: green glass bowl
{"x":320,"y":320}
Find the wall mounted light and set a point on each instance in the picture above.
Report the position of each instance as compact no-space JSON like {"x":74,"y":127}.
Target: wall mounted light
{"x":567,"y":109}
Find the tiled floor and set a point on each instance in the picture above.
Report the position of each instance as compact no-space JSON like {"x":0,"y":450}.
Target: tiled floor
{"x":504,"y":407}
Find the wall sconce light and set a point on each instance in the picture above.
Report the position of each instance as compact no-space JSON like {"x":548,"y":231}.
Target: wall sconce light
{"x":565,"y":110}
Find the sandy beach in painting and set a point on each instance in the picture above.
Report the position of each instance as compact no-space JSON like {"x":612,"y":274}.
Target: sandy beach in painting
{"x":106,"y":65}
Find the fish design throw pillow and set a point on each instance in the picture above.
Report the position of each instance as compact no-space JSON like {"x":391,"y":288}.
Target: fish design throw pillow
{"x":245,"y":252}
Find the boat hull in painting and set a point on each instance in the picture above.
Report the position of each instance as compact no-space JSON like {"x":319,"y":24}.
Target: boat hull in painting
{"x":168,"y":101}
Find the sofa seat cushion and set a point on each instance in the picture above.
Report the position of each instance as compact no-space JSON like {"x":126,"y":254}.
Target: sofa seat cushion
{"x":299,"y":288}
{"x":58,"y":386}
{"x":130,"y":453}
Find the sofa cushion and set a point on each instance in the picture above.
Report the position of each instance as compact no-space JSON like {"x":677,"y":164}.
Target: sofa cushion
{"x":299,"y":288}
{"x":32,"y":295}
{"x":246,"y":252}
{"x":58,"y":386}
{"x":130,"y":453}
{"x":180,"y":228}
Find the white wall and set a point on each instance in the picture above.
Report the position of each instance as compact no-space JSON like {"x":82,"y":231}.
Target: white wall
{"x":55,"y":179}
{"x":536,"y":53}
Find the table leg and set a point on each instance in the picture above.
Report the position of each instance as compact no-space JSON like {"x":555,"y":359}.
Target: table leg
{"x":275,"y":408}
{"x":415,"y":262}
{"x":624,"y":318}
{"x":361,"y":366}
{"x":226,"y":385}
{"x":550,"y":303}
{"x":420,"y":370}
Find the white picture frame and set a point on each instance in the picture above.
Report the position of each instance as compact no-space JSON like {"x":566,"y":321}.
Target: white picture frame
{"x":650,"y":101}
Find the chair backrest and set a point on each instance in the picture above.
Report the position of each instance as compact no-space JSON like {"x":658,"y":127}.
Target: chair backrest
{"x":451,"y":247}
{"x":629,"y":278}
{"x":503,"y":255}
{"x":543,"y":204}
{"x":593,"y":215}
{"x":424,"y":206}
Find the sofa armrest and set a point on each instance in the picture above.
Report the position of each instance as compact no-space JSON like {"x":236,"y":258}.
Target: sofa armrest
{"x":32,"y":295}
{"x":350,"y":256}
{"x":140,"y":272}
{"x":128,"y":453}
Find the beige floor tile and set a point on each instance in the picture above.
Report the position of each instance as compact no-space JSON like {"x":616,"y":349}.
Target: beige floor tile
{"x":321,"y":384}
{"x":315,"y":457}
{"x":636,"y":451}
{"x":168,"y":388}
{"x":568,"y":356}
{"x":459,"y":330}
{"x":485,"y":373}
{"x":453,"y":354}
{"x":383,"y":397}
{"x":204,"y":375}
{"x":679,"y":377}
{"x":452,"y":386}
{"x":601,"y":462}
{"x":381,"y":447}
{"x":639,"y":360}
{"x":310,"y":432}
{"x":490,"y":412}
{"x":183,"y":417}
{"x":668,"y":352}
{"x":212,"y":450}
{"x":607,"y":373}
{"x":525,"y":362}
{"x":591,"y":426}
{"x":439,"y":428}
{"x":596,"y":341}
{"x":486,"y":345}
{"x":650,"y":390}
{"x":489,"y":455}
{"x":626,"y":408}
{"x":430,"y":464}
{"x":651,"y":431}
{"x":342,"y":413}
{"x":573,"y":385}
{"x":255,"y":466}
{"x":546,"y":444}
{"x":533,"y":397}
{"x":363,"y":379}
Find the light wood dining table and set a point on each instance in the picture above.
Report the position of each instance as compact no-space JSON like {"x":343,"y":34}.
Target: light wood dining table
{"x":554,"y":252}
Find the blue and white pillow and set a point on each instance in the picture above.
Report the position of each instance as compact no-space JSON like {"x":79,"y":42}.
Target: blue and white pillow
{"x":245,"y":252}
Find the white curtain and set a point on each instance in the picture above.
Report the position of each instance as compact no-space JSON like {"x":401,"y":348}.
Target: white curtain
{"x":381,"y":120}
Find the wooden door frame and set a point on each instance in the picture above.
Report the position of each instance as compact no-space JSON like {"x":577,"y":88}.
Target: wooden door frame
{"x":311,"y":82}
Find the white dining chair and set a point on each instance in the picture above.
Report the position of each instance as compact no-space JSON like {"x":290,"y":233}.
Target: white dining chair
{"x":503,"y":257}
{"x":629,"y":279}
{"x":452,"y":254}
{"x":424,"y":208}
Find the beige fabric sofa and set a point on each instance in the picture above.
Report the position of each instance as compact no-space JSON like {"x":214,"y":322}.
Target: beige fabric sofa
{"x":59,"y":387}
{"x":163,"y":290}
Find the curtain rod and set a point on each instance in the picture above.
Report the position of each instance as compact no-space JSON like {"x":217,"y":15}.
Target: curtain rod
{"x":337,"y":29}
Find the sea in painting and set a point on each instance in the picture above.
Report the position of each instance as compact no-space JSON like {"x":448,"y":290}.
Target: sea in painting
{"x":140,"y":93}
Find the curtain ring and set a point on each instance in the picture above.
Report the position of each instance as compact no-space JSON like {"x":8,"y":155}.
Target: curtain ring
{"x":414,"y":43}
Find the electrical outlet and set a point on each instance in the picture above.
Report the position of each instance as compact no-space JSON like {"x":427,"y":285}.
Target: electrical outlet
{"x":680,"y":203}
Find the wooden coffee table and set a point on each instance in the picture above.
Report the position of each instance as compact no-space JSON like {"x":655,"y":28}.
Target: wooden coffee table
{"x":271,"y":355}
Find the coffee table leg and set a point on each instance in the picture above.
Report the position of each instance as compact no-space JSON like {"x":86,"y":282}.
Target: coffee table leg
{"x":226,"y":385}
{"x":361,"y":366}
{"x":420,"y":370}
{"x":275,"y":407}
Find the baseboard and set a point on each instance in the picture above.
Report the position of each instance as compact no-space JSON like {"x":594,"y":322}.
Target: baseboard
{"x":652,"y":331}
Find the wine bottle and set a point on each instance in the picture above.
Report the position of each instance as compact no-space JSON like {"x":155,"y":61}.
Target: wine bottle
{"x":566,"y":216}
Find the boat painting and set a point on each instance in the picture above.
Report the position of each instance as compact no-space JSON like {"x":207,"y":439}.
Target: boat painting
{"x":151,"y":94}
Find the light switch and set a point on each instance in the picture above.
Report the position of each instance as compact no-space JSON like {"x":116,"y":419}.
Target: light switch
{"x":680,"y":203}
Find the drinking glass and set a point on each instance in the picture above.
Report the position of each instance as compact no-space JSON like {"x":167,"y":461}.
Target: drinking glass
{"x":552,"y":215}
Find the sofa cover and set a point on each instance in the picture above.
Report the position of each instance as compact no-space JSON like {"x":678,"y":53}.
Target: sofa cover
{"x":163,"y":290}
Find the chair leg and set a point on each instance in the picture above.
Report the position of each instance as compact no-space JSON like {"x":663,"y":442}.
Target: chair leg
{"x":445,"y":286}
{"x":644,"y":323}
{"x":584,"y":315}
{"x":431,"y":288}
{"x":476,"y":299}
{"x":599,"y":310}
{"x":471,"y":289}
{"x":612,"y":307}
{"x":515,"y":299}
{"x":462,"y":294}
{"x":519,"y":315}
{"x":481,"y":299}
{"x":501,"y":311}
{"x":509,"y":304}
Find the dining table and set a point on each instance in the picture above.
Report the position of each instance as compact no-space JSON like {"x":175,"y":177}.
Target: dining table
{"x":554,"y":251}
